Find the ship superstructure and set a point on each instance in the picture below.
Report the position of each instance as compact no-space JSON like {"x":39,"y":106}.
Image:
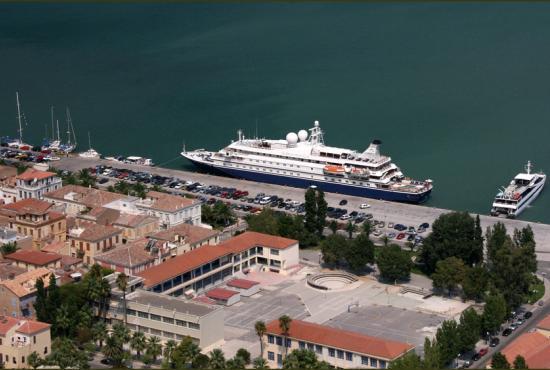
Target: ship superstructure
{"x":303,"y":160}
{"x":521,"y":191}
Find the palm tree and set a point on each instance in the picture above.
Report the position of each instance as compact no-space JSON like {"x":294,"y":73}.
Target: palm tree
{"x":63,"y":320}
{"x":8,"y":248}
{"x":121,"y":332}
{"x":260,"y":329}
{"x":169,"y":348}
{"x":122,"y":284}
{"x":113,"y":350}
{"x":138,"y":342}
{"x":86,"y":179}
{"x":99,"y":332}
{"x":260,"y":363}
{"x":350,"y":228}
{"x":217,"y":359}
{"x":367,"y":228}
{"x":284,"y":325}
{"x":154,"y":347}
{"x":34,"y":360}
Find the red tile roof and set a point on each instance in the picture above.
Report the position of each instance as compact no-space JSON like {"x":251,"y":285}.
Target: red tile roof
{"x":342,"y":339}
{"x":242,"y":283}
{"x":32,"y":174}
{"x":6,"y":323}
{"x":94,"y":232}
{"x":167,"y":202}
{"x":200,"y":256}
{"x":534,"y":347}
{"x":221,"y":294}
{"x":29,"y":205}
{"x":33,"y":257}
{"x":32,"y":327}
{"x":130,"y":255}
{"x":192,"y":234}
{"x":544,"y":323}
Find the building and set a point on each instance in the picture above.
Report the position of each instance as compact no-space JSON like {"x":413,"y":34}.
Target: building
{"x":8,"y":271}
{"x":166,"y":317}
{"x":11,"y":236}
{"x":34,"y":184}
{"x":223,"y":296}
{"x":186,"y":237}
{"x":19,"y":338}
{"x":340,"y":348}
{"x":171,"y":209}
{"x":17,"y":295}
{"x":245,"y":287}
{"x":533,"y":347}
{"x":8,"y":192}
{"x":207,"y":266}
{"x":32,"y":259}
{"x":543,"y":326}
{"x":136,"y":227}
{"x":88,"y":240}
{"x":130,"y":258}
{"x":37,"y":219}
{"x":75,"y":199}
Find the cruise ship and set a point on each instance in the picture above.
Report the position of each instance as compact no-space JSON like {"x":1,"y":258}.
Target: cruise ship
{"x":303,"y":160}
{"x":523,"y":189}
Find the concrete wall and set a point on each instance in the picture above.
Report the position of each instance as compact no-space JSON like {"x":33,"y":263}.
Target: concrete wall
{"x":16,"y":356}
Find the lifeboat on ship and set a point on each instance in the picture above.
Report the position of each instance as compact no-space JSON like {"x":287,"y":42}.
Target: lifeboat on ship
{"x":334,"y":170}
{"x":358,"y":173}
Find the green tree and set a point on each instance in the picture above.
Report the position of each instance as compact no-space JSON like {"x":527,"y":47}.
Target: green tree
{"x":235,"y":363}
{"x":321,"y":213}
{"x":284,"y":325}
{"x":99,"y":332}
{"x":217,"y":359}
{"x":66,"y":355}
{"x":138,"y":343}
{"x":122,"y":284}
{"x":185,"y":353}
{"x":448,"y":341}
{"x":169,"y":348}
{"x":301,"y":359}
{"x":499,"y":361}
{"x":40,"y":304}
{"x":359,"y":252}
{"x":409,"y":361}
{"x":121,"y":332}
{"x":139,"y":190}
{"x":333,"y":226}
{"x":350,"y":228}
{"x":260,"y":363}
{"x":432,"y":355}
{"x":63,"y":322}
{"x":494,"y":313}
{"x":34,"y":360}
{"x":8,"y":248}
{"x":260,"y":329}
{"x":519,"y":363}
{"x":244,"y":355}
{"x":394,"y":263}
{"x":469,"y":329}
{"x":114,"y":351}
{"x":200,"y":362}
{"x":449,"y":273}
{"x":265,"y":222}
{"x":453,"y":234}
{"x":311,"y":210}
{"x":333,"y":248}
{"x":154,"y":347}
{"x":475,"y":283}
{"x":85,"y":178}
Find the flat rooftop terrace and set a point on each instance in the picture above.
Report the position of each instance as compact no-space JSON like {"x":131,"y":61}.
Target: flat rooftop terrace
{"x":170,"y":303}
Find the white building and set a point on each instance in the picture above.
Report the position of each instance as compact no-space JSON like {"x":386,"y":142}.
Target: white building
{"x":34,"y":184}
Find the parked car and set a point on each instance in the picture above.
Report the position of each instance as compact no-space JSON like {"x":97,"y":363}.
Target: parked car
{"x":506,"y":332}
{"x":483,"y":351}
{"x":424,"y":225}
{"x":400,"y":227}
{"x":527,"y":315}
{"x":364,"y":205}
{"x":400,"y":236}
{"x":494,"y":342}
{"x":343,"y":202}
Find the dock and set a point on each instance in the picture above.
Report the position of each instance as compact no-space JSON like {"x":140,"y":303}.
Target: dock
{"x":407,"y":214}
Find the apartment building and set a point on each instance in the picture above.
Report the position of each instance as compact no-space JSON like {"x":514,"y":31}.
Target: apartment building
{"x":8,"y":192}
{"x":208,"y":266}
{"x":34,"y":184}
{"x":172,"y":210}
{"x":37,"y":219}
{"x":32,"y":259}
{"x":136,"y":227}
{"x":166,"y":317}
{"x":88,"y":240}
{"x":75,"y":199}
{"x":17,"y":295}
{"x":186,"y":237}
{"x":19,"y":338}
{"x":340,"y":348}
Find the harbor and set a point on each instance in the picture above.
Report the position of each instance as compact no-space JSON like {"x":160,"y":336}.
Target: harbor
{"x":407,"y":214}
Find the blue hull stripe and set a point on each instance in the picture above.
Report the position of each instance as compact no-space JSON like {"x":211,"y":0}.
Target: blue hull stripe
{"x":305,"y":183}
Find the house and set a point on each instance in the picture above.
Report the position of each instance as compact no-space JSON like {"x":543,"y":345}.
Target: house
{"x":166,"y":317}
{"x":207,"y":266}
{"x":340,"y":348}
{"x":88,"y":240}
{"x":37,"y":219}
{"x":8,"y":192}
{"x":8,"y":271}
{"x":11,"y":236}
{"x":34,"y":184}
{"x":171,"y":209}
{"x":20,"y":338}
{"x":130,"y":258}
{"x":136,"y":226}
{"x":533,"y":347}
{"x":186,"y":237}
{"x":17,"y":295}
{"x":75,"y":199}
{"x":33,"y":259}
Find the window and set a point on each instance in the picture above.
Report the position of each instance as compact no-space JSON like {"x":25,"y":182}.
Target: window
{"x":142,"y":314}
{"x":288,"y":343}
{"x":181,"y":323}
{"x":279,"y":359}
{"x":382,"y":364}
{"x":195,"y":326}
{"x":131,"y":312}
{"x":364,"y":360}
{"x":279,"y":341}
{"x":340,"y":354}
{"x":373,"y":362}
{"x":22,"y":359}
{"x":318,"y":349}
{"x":310,"y":346}
{"x":33,"y":339}
{"x":45,"y":350}
{"x":270,"y":339}
{"x":271,"y":356}
{"x":331,"y":352}
{"x":155,"y":317}
{"x":274,"y":252}
{"x":302,"y":345}
{"x":168,"y":320}
{"x":349,"y":356}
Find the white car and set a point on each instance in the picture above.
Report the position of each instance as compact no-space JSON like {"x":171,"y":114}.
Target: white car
{"x":345,"y":217}
{"x":364,"y":205}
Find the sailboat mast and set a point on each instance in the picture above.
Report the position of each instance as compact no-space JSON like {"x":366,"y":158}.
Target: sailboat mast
{"x":68,"y":127}
{"x":71,"y":127}
{"x":53,"y":128}
{"x":19,"y":117}
{"x":58,"y":136}
{"x":89,"y":141}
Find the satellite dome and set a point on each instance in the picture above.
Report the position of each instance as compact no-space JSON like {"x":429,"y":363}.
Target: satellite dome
{"x":316,"y":123}
{"x":302,"y":135}
{"x":291,"y":138}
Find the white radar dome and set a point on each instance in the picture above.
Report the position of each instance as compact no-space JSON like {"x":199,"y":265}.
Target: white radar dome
{"x":291,"y":138}
{"x":302,"y":135}
{"x":316,"y":123}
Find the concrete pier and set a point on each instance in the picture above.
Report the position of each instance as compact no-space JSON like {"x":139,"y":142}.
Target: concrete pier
{"x":407,"y":214}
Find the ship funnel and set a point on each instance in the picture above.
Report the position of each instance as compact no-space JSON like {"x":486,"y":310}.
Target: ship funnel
{"x":373,"y":151}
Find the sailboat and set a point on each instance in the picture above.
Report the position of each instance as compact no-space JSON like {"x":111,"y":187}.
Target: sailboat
{"x":90,"y":153}
{"x":18,"y":143}
{"x":71,"y":144}
{"x":55,"y":144}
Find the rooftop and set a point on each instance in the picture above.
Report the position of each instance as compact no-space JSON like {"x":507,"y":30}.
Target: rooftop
{"x":89,"y":197}
{"x":129,"y":220}
{"x":170,"y":303}
{"x":129,"y":255}
{"x":242,"y":283}
{"x":29,"y":206}
{"x":221,"y":294}
{"x":342,"y":339}
{"x":534,"y":347}
{"x":193,"y":234}
{"x":33,"y":257}
{"x":165,"y":202}
{"x":24,"y":326}
{"x":544,"y":323}
{"x":31,"y":174}
{"x":7,"y":171}
{"x":9,"y":271}
{"x":93,"y":232}
{"x":24,"y":284}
